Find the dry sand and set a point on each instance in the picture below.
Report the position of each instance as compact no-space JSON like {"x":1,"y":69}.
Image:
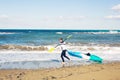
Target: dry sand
{"x":110,"y":71}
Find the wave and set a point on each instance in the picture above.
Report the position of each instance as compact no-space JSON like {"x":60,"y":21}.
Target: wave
{"x":59,"y":32}
{"x":70,"y":46}
{"x":100,"y":32}
{"x":114,"y":32}
{"x":24,"y":48}
{"x":110,"y":32}
{"x":7,"y":33}
{"x":93,"y":47}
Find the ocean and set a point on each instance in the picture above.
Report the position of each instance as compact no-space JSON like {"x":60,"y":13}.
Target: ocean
{"x":34,"y":38}
{"x":29,"y":48}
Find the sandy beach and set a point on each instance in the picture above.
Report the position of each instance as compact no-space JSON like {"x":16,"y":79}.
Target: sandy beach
{"x":24,"y":55}
{"x":109,"y":71}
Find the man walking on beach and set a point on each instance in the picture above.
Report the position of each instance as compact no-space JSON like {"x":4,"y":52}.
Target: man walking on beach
{"x":64,"y":50}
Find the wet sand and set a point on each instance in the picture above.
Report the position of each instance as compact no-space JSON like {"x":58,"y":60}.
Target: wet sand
{"x":109,"y":71}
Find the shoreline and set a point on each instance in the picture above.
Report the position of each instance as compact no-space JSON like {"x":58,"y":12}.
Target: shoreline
{"x":41,"y":59}
{"x":108,"y":71}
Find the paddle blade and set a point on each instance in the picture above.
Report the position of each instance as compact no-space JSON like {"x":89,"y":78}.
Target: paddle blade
{"x":69,"y":36}
{"x":51,"y":49}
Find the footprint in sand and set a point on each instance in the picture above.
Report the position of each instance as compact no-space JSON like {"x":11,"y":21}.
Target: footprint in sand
{"x":20,"y":75}
{"x":9,"y":77}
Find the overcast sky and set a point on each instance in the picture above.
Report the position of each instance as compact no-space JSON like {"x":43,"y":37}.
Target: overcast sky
{"x":59,"y":14}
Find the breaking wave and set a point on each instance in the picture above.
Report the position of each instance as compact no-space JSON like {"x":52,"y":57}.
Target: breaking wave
{"x":70,"y":46}
{"x":59,"y":32}
{"x":109,"y":32}
{"x":7,"y":33}
{"x":23,"y":48}
{"x":100,"y":32}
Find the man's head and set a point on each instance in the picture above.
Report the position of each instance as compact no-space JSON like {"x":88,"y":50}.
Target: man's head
{"x":61,"y":40}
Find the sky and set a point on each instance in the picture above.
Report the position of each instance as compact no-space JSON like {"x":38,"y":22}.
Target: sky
{"x":59,"y":14}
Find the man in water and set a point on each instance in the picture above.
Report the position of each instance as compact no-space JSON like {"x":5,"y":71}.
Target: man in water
{"x":64,"y":50}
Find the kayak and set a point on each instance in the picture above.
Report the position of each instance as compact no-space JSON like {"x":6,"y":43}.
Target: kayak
{"x":91,"y":57}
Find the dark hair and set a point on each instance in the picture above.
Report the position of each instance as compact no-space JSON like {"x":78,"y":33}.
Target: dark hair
{"x":61,"y":39}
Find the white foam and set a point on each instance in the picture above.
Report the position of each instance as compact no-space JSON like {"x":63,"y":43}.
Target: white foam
{"x":11,"y":56}
{"x":110,"y":32}
{"x":106,"y":52}
{"x":113,"y":32}
{"x":59,"y":32}
{"x":44,"y":59}
{"x":7,"y":33}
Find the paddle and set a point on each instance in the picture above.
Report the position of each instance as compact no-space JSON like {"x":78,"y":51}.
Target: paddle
{"x":53,"y":48}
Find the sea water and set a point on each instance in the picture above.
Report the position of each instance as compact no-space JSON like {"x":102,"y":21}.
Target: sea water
{"x":28,"y":49}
